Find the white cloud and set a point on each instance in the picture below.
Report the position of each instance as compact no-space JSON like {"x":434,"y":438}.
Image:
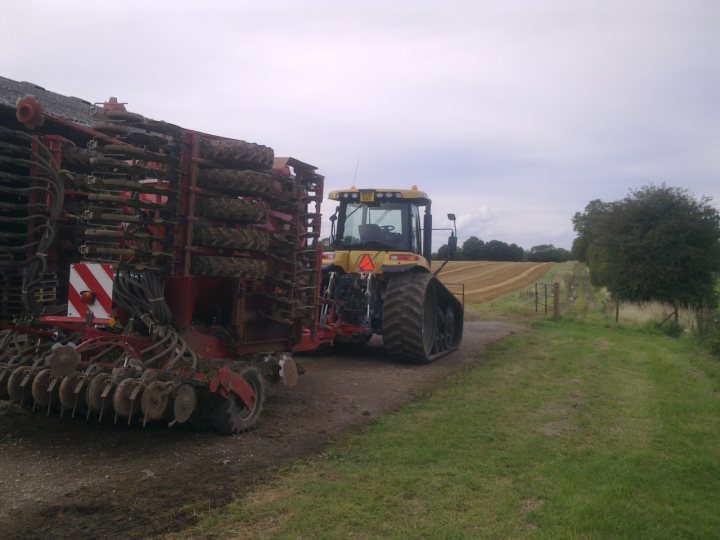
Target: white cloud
{"x":528,"y":109}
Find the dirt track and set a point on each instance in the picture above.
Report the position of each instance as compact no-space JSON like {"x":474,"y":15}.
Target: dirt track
{"x":66,"y":478}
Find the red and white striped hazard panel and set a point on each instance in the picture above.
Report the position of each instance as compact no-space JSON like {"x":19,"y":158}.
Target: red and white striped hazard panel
{"x":90,"y":290}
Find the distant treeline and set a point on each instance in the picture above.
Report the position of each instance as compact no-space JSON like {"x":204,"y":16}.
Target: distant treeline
{"x":474,"y":249}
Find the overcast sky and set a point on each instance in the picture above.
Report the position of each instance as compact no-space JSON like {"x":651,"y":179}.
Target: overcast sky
{"x":512,"y":114}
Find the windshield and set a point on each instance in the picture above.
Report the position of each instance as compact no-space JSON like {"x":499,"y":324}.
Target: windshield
{"x":381,"y":226}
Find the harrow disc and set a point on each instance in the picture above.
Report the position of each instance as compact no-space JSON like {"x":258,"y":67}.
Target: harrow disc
{"x":41,"y":384}
{"x":93,"y":394}
{"x":68,"y":397}
{"x":185,"y":403}
{"x":20,"y":394}
{"x":124,"y":406}
{"x":155,"y":399}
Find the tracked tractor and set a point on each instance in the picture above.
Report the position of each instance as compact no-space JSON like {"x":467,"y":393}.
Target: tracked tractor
{"x":377,"y":278}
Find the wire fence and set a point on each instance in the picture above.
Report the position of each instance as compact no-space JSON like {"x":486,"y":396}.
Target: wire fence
{"x":547,"y":297}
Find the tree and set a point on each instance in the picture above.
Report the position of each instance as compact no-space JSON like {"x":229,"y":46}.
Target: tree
{"x":443,"y":253}
{"x":516,"y":253}
{"x":495,"y":250}
{"x":473,"y":249}
{"x":548,"y":253}
{"x":586,"y":225}
{"x":657,"y":244}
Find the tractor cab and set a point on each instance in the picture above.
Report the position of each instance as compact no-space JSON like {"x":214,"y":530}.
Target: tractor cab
{"x":381,"y":219}
{"x":378,"y":280}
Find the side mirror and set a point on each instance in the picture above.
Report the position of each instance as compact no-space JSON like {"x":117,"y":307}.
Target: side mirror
{"x":333,"y":219}
{"x":452,"y":243}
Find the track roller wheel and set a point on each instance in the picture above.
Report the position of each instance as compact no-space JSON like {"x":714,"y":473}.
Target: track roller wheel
{"x":440,"y":334}
{"x":40,"y":388}
{"x":453,"y":327}
{"x":230,"y":415}
{"x":155,"y":400}
{"x":123,"y":405}
{"x":409,"y":317}
{"x":19,"y":393}
{"x":94,"y":393}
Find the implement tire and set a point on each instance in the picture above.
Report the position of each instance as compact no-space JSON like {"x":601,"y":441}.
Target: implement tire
{"x":232,"y":210}
{"x":236,"y":182}
{"x":229,"y":415}
{"x":236,"y":153}
{"x":225,"y":237}
{"x":230,"y":267}
{"x":409,"y":317}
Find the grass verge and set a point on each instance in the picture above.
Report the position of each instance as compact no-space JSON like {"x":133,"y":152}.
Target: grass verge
{"x":580,"y":429}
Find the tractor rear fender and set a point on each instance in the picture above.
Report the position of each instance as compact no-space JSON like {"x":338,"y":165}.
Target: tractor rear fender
{"x":395,"y":269}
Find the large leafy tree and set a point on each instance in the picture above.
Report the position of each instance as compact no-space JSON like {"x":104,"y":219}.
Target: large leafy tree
{"x":547,"y":253}
{"x":658,"y":244}
{"x":473,"y":249}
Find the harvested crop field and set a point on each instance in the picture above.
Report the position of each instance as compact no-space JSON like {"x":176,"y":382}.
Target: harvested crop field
{"x":485,"y":280}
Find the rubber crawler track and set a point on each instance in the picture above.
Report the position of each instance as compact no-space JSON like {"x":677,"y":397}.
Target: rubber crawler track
{"x":404,"y":316}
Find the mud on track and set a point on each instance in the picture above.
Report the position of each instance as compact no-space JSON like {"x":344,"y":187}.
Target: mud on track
{"x":68,"y":478}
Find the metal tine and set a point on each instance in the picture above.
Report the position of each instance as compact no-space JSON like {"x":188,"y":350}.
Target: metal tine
{"x":102,"y":409}
{"x":77,"y":390}
{"x":74,"y":406}
{"x":51,"y":387}
{"x":50,"y":397}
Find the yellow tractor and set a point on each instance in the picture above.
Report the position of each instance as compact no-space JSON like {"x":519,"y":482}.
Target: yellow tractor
{"x":377,"y":278}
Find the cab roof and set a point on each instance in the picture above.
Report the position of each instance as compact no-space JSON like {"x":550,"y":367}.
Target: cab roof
{"x":418,"y":196}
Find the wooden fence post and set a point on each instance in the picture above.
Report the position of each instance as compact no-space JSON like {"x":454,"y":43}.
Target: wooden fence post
{"x":556,"y":300}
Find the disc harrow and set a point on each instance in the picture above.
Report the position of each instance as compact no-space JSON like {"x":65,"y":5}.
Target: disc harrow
{"x":150,"y":273}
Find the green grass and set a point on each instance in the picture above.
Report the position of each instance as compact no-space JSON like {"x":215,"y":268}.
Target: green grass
{"x":578,"y":429}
